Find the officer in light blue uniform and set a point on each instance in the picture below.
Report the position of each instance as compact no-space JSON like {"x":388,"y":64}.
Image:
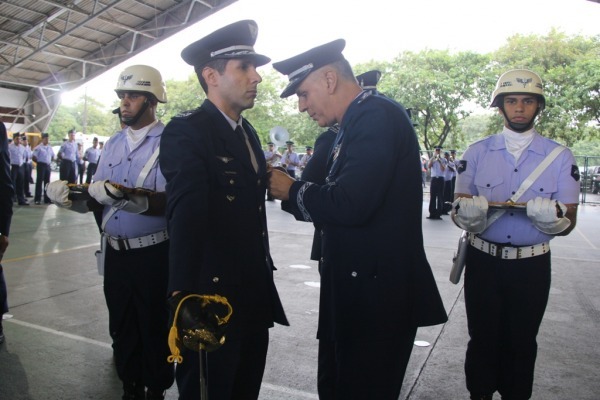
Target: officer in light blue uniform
{"x":16,"y":152}
{"x":437,"y":166}
{"x":42,"y":155}
{"x":92,"y":155}
{"x":508,"y":268}
{"x":68,"y":156}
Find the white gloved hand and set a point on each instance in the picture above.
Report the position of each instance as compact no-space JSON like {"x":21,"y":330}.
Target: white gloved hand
{"x":58,"y":193}
{"x":107,"y":194}
{"x":548,"y":215}
{"x":471,"y":213}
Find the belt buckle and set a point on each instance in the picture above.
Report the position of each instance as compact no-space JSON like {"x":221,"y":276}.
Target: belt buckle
{"x":122,"y":244}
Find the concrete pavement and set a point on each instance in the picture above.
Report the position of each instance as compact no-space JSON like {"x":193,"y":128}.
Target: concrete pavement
{"x":58,"y":347}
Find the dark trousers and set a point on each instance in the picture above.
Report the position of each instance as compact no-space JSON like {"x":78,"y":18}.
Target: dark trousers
{"x":68,"y":171}
{"x":91,"y":170}
{"x":135,"y":288}
{"x":80,"y":171}
{"x":505,"y":302}
{"x":436,"y":196}
{"x":3,"y":294}
{"x":364,"y":370}
{"x":27,"y":179}
{"x":41,"y":181}
{"x":448,"y":196}
{"x":234,"y":371}
{"x":16,"y":174}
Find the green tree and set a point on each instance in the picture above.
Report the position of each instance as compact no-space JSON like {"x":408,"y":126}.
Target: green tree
{"x":435,"y":85}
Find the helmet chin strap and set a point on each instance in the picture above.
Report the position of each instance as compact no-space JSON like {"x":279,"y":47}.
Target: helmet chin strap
{"x":519,"y":127}
{"x":133,"y":120}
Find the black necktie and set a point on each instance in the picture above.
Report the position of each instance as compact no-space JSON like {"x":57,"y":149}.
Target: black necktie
{"x":242,"y":133}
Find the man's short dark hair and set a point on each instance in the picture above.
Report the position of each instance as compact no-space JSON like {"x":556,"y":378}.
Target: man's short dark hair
{"x":219,"y":65}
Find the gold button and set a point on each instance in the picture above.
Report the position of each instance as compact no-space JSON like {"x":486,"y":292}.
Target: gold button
{"x":231,"y":182}
{"x":216,"y":279}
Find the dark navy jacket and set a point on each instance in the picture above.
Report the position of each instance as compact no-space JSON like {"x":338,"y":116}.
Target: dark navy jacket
{"x":216,"y":217}
{"x":375,"y":278}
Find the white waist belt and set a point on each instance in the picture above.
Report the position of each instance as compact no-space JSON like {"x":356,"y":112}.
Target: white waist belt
{"x":508,"y":252}
{"x":139,"y":242}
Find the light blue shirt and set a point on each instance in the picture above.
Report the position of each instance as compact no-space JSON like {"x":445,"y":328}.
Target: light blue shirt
{"x":120,"y":165}
{"x":436,"y":168}
{"x":92,"y":155}
{"x":43,"y":153}
{"x":488,"y":169}
{"x":68,"y":151}
{"x":17,"y":154}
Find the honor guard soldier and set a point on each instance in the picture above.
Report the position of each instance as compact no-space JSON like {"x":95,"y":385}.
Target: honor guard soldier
{"x":376,"y":284}
{"x":129,"y":193}
{"x":43,"y":154}
{"x":507,"y":272}
{"x":216,"y":182}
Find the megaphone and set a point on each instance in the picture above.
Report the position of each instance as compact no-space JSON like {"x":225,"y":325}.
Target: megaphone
{"x":279,"y":135}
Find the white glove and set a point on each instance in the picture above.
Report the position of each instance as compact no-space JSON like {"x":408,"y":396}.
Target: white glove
{"x":471,"y":213}
{"x":58,"y":193}
{"x":548,"y":215}
{"x":107,"y":194}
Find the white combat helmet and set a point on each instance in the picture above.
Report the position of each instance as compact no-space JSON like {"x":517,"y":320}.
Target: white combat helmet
{"x":518,"y":81}
{"x":142,"y":78}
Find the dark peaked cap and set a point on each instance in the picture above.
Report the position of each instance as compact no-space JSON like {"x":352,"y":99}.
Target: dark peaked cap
{"x":232,"y":41}
{"x":299,"y":67}
{"x":369,"y":79}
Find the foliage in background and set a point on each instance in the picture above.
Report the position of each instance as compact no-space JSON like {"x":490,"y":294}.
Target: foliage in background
{"x":448,"y":94}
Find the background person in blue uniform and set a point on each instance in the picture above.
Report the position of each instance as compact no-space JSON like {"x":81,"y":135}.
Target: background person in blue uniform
{"x":376,"y":284}
{"x":67,"y":154}
{"x":17,"y":161}
{"x":6,"y":211}
{"x":137,"y":252}
{"x":507,"y":273}
{"x":42,"y":155}
{"x":92,"y":155}
{"x":216,"y":182}
{"x":437,"y":166}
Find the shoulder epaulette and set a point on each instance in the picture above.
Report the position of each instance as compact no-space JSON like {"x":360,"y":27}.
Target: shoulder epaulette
{"x":188,"y":113}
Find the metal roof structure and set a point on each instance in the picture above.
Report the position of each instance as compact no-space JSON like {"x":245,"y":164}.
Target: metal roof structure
{"x":51,"y":46}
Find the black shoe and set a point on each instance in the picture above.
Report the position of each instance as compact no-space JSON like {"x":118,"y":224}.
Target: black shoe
{"x":23,"y":203}
{"x":133,"y":391}
{"x":37,"y":203}
{"x":434,"y":217}
{"x":152,"y":395}
{"x":482,"y":396}
{"x":1,"y":331}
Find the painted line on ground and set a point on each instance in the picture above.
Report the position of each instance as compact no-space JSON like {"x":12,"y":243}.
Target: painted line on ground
{"x":268,"y":386}
{"x":6,"y":261}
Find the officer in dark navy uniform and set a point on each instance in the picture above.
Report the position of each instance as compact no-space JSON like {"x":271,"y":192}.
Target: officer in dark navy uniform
{"x":216,"y":181}
{"x":376,"y":284}
{"x":6,"y":210}
{"x":316,"y":170}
